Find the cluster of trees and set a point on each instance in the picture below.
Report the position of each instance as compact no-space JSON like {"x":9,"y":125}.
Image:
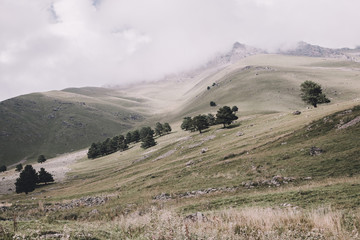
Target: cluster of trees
{"x":225,"y":116}
{"x":29,"y":179}
{"x":110,"y":145}
{"x":121,"y":142}
{"x":311,"y":93}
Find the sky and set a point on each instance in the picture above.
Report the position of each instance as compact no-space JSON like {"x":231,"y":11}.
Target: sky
{"x":55,"y":44}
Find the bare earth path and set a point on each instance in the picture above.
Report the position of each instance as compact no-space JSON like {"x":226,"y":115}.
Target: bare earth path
{"x":57,"y":166}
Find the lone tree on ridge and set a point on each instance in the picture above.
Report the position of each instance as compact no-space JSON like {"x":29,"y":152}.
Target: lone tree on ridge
{"x":311,"y":93}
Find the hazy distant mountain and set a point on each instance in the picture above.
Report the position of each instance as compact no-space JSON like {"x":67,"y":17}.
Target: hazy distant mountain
{"x":239,"y":51}
{"x":309,"y":50}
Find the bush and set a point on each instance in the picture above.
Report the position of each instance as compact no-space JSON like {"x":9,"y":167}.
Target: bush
{"x":3,"y":168}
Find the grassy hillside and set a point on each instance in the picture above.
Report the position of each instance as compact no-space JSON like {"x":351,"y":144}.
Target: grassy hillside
{"x":60,"y":121}
{"x":174,"y":179}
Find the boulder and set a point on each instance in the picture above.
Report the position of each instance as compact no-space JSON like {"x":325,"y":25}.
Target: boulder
{"x":315,"y":151}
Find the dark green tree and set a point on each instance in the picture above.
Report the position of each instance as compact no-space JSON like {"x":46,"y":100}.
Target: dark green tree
{"x":187,"y":124}
{"x":234,"y":109}
{"x":147,"y":137}
{"x":3,"y":168}
{"x":208,"y":87}
{"x":311,"y":93}
{"x":211,"y":119}
{"x":122,"y":143}
{"x":225,"y":116}
{"x":167,"y":127}
{"x":41,"y":159}
{"x":145,"y":131}
{"x":44,"y":176}
{"x":200,"y":122}
{"x":135,"y":136}
{"x":212,"y":104}
{"x":19,"y":167}
{"x":27,"y":180}
{"x":94,"y":151}
{"x":129,"y":138}
{"x":159,"y":129}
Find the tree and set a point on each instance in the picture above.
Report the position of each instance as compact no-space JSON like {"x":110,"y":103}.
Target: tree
{"x":234,"y":109}
{"x":44,"y":176}
{"x":167,"y":127}
{"x":3,"y":168}
{"x":187,"y":124}
{"x":200,"y":122}
{"x":212,"y":104}
{"x":159,"y":129}
{"x":147,"y":137}
{"x":129,"y":138}
{"x":211,"y":119}
{"x":145,"y":131}
{"x":225,"y":116}
{"x":27,"y":181}
{"x":208,"y":87}
{"x":41,"y":159}
{"x":19,"y":167}
{"x":122,"y":143}
{"x":94,"y":150}
{"x":311,"y":93}
{"x":148,"y":141}
{"x":135,"y":136}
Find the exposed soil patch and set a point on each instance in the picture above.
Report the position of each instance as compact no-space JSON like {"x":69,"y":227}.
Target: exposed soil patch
{"x":57,"y":166}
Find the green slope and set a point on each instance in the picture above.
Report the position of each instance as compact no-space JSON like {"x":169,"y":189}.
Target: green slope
{"x":57,"y":122}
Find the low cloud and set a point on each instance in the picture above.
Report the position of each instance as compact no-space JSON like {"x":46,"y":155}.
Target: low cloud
{"x":54,"y":44}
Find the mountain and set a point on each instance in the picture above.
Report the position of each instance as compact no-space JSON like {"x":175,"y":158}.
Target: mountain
{"x":55,"y":122}
{"x":308,"y":50}
{"x":275,"y":173}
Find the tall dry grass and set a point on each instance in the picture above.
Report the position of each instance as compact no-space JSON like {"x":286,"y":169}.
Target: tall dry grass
{"x":249,"y":223}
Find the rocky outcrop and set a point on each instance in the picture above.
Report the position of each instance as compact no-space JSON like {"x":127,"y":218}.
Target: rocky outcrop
{"x":82,"y":202}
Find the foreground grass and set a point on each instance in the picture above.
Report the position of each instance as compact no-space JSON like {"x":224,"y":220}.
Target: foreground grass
{"x":245,"y":223}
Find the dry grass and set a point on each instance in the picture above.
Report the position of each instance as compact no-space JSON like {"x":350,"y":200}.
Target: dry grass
{"x":247,"y":223}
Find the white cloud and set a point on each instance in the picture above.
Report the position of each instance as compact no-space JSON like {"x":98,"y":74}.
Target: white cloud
{"x":54,"y":44}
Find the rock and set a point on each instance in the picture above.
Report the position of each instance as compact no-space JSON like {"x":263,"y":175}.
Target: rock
{"x":297,"y":112}
{"x":239,"y":134}
{"x":307,"y":178}
{"x":94,"y":212}
{"x":315,"y":151}
{"x":204,"y":150}
{"x":189,"y":163}
{"x":163,"y":196}
{"x":197,"y":217}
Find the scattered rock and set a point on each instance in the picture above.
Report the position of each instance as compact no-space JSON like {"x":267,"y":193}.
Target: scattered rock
{"x":349,"y":124}
{"x":297,"y":112}
{"x":82,"y":202}
{"x":94,"y":212}
{"x":163,"y":196}
{"x":189,"y":163}
{"x":204,"y":150}
{"x":314,"y":151}
{"x":307,"y":178}
{"x":283,"y":143}
{"x":239,"y":134}
{"x":197,"y":217}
